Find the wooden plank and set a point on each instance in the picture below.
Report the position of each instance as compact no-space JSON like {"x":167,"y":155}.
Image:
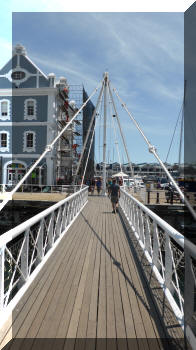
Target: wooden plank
{"x":119,"y":315}
{"x":65,"y":288}
{"x":85,"y":307}
{"x":128,"y":316}
{"x":54,"y":310}
{"x":35,"y":318}
{"x":101,"y":320}
{"x":73,"y":325}
{"x":134,"y":310}
{"x":64,"y":325}
{"x":92,"y":320}
{"x":111,"y":323}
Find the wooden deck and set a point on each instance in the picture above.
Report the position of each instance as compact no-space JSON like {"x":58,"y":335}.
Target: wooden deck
{"x":92,"y":293}
{"x":33,"y":196}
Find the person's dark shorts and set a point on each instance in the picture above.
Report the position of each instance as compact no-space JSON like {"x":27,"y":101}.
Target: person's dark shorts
{"x":114,"y":199}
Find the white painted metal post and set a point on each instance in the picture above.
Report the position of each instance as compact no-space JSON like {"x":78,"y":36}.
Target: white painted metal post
{"x":25,"y":257}
{"x":40,"y":242}
{"x":104,"y":133}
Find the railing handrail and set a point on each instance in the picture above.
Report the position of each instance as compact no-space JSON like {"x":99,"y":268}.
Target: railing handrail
{"x":14,"y":232}
{"x":172,"y":232}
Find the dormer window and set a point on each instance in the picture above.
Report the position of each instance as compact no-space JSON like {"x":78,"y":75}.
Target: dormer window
{"x":4,"y":109}
{"x":18,"y":75}
{"x":30,"y":109}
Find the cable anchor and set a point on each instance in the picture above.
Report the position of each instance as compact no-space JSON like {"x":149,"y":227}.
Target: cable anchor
{"x":152,"y":149}
{"x":49,"y":148}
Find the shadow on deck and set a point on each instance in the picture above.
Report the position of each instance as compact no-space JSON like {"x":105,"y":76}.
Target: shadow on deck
{"x":93,"y":293}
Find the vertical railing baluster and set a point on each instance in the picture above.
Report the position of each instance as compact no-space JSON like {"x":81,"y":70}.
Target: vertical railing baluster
{"x":58,"y":223}
{"x":25,"y":256}
{"x":63,"y":222}
{"x":51,"y":231}
{"x":168,"y":263}
{"x":148,"y":241}
{"x":141,"y":225}
{"x":40,"y":240}
{"x":155,"y":258}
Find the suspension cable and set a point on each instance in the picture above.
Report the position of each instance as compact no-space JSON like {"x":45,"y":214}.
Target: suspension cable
{"x":96,"y":117}
{"x":84,"y":173}
{"x":88,"y":132}
{"x":121,"y":132}
{"x":47,"y":149}
{"x":174,"y":133}
{"x":152,"y":150}
{"x":116,"y":144}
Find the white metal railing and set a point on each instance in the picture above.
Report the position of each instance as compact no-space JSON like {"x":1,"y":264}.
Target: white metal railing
{"x":172,"y":258}
{"x":41,"y":188}
{"x":29,"y":244}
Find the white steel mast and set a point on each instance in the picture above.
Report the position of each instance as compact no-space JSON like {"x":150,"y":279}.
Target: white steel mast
{"x":104,"y":133}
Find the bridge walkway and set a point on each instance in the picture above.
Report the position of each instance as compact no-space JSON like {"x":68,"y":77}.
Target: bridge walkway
{"x":92,"y":287}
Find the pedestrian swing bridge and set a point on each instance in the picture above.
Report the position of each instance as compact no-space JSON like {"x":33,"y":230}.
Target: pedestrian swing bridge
{"x":77,"y":275}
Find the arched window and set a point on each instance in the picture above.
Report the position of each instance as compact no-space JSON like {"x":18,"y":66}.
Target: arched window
{"x":30,"y":109}
{"x":4,"y":109}
{"x":4,"y":141}
{"x":29,"y":141}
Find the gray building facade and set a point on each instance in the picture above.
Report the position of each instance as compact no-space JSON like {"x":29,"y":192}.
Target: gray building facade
{"x":28,"y":120}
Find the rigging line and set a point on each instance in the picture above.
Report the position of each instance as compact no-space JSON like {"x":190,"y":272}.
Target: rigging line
{"x":121,"y":132}
{"x":181,"y":132}
{"x":88,"y":133}
{"x":152,"y":150}
{"x":174,"y":132}
{"x":88,"y":156}
{"x":96,"y":124}
{"x":116,"y":144}
{"x":47,"y":149}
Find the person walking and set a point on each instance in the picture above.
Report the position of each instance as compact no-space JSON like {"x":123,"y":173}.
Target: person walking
{"x":92,"y":185}
{"x":114,"y":193}
{"x":98,"y":186}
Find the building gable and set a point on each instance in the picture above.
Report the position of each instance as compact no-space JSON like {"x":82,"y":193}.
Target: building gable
{"x":21,"y":72}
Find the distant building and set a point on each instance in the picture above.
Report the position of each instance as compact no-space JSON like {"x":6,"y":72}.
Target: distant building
{"x":79,"y":95}
{"x":33,"y":109}
{"x":145,"y":170}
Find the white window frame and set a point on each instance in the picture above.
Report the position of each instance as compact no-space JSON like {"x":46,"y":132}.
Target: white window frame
{"x":5,"y":117}
{"x":5,"y":149}
{"x":29,"y":149}
{"x":30,"y":117}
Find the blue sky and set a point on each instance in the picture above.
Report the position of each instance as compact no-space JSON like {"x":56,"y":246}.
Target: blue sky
{"x":142,"y":51}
